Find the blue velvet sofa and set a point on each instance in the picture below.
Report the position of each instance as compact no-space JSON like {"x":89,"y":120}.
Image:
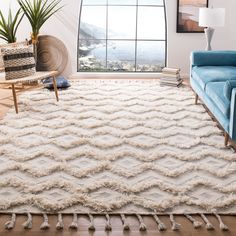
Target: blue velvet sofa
{"x":213,"y":79}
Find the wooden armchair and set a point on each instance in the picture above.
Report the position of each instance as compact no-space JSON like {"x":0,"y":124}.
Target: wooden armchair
{"x":38,"y":76}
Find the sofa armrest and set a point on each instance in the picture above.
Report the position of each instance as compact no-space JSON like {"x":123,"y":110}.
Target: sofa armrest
{"x":228,"y":88}
{"x":232,"y":123}
{"x":213,"y":58}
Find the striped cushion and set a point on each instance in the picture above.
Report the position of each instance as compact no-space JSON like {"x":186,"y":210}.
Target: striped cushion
{"x":10,"y":45}
{"x":18,"y":62}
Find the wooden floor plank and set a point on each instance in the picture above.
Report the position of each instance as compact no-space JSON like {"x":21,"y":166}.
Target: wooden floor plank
{"x":186,"y":226}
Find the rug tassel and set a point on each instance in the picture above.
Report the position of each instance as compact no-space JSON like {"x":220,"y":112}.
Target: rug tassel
{"x":142,"y":226}
{"x":209,"y":225}
{"x":74,"y":224}
{"x":28,"y":224}
{"x":11,"y":223}
{"x":108,"y":223}
{"x":60,"y":224}
{"x":161,"y":226}
{"x":196,"y":224}
{"x":223,"y":226}
{"x":124,"y":222}
{"x":45,"y":225}
{"x":175,"y":226}
{"x":91,"y":226}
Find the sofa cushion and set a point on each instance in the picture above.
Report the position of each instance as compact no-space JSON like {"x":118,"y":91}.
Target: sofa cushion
{"x":215,"y":91}
{"x":213,"y":58}
{"x":206,"y":74}
{"x":228,"y":87}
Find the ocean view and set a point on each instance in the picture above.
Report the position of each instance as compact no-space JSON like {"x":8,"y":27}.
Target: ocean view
{"x":120,"y":53}
{"x":125,"y":51}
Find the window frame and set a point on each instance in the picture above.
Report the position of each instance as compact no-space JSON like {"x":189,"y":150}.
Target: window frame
{"x":136,"y":40}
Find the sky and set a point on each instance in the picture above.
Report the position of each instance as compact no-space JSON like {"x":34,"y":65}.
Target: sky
{"x":150,"y":22}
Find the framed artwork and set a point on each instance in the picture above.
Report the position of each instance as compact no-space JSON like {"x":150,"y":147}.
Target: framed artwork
{"x":188,"y":15}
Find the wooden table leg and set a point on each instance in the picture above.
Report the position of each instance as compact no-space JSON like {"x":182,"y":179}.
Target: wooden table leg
{"x":14,"y":97}
{"x":55,"y":87}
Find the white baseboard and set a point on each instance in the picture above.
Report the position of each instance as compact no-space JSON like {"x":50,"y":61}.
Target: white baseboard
{"x":95,"y":75}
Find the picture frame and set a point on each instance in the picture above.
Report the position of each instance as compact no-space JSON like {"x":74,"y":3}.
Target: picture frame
{"x":188,"y":15}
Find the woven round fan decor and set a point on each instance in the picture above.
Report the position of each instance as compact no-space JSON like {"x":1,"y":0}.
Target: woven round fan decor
{"x":51,"y":54}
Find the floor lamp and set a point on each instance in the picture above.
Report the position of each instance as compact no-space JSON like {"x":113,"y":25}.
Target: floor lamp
{"x":209,"y":18}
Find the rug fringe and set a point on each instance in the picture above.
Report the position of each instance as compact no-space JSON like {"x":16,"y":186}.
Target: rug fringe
{"x":11,"y":223}
{"x":223,"y":226}
{"x":161,"y":225}
{"x":124,"y":222}
{"x":60,"y":224}
{"x":209,"y":225}
{"x":142,"y":226}
{"x":28,"y":224}
{"x":74,"y":225}
{"x":175,"y":226}
{"x":45,"y":225}
{"x":196,"y":224}
{"x":91,"y":226}
{"x":108,"y":226}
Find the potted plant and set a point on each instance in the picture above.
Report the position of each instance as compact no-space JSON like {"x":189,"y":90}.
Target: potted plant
{"x":38,"y":12}
{"x":9,"y":26}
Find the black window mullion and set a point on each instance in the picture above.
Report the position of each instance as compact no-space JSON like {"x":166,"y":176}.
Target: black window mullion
{"x":106,"y":33}
{"x":136,"y":37}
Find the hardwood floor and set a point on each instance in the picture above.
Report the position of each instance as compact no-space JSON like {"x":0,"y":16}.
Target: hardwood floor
{"x":186,"y":227}
{"x":6,"y":102}
{"x":6,"y":98}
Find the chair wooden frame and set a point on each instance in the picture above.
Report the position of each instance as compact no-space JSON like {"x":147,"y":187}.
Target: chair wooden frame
{"x":38,"y":76}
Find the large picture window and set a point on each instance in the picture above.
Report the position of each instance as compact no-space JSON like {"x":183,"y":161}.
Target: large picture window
{"x":122,"y":36}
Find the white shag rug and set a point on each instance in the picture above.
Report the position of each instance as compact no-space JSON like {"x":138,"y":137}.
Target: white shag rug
{"x":114,"y":146}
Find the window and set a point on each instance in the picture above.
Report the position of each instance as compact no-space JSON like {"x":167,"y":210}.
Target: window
{"x":122,"y":36}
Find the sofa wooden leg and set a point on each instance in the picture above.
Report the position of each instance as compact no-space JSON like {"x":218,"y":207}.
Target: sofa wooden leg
{"x":196,"y":99}
{"x":226,"y":139}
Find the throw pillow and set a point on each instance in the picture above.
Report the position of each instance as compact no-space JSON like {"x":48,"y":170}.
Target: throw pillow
{"x":18,"y":62}
{"x":62,"y":83}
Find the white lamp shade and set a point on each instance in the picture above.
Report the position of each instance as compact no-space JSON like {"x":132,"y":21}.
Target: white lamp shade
{"x":211,"y":17}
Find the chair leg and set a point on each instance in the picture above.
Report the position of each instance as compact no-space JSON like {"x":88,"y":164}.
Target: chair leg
{"x":55,"y":88}
{"x":226,"y":139}
{"x":14,"y":98}
{"x":196,"y":99}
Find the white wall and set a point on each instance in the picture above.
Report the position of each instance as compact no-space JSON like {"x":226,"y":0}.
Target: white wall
{"x":65,"y":26}
{"x":181,"y":44}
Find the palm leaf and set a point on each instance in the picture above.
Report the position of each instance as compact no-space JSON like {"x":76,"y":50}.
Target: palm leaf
{"x":39,"y":11}
{"x":17,"y":22}
{"x":3,"y":22}
{"x":9,"y":26}
{"x":26,"y":7}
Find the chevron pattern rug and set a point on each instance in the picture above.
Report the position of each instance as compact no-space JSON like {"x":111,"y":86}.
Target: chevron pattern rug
{"x":114,"y":146}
